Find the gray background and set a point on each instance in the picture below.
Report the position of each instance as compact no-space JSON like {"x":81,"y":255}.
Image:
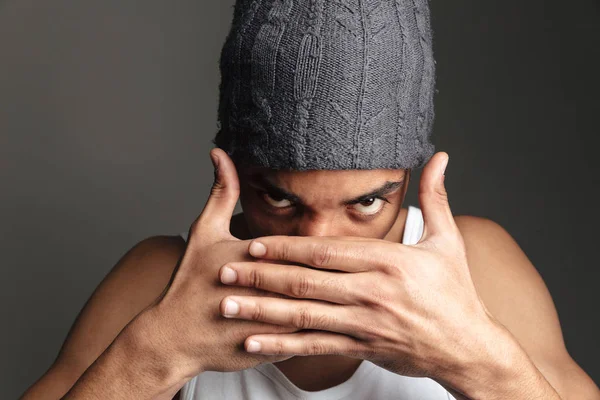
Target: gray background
{"x":107,"y":109}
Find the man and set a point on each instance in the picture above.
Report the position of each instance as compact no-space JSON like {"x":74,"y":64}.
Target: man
{"x":317,"y":290}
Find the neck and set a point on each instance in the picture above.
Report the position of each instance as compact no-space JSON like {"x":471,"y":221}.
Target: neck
{"x":313,"y":373}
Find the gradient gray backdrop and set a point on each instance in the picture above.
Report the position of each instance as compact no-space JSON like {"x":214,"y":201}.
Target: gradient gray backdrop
{"x":107,"y":109}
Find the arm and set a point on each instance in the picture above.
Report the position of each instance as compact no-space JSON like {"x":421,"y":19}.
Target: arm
{"x":516,"y":296}
{"x":133,"y":366}
{"x":137,"y":279}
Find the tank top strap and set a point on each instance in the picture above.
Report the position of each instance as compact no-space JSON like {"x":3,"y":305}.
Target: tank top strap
{"x":413,"y":227}
{"x":188,"y":390}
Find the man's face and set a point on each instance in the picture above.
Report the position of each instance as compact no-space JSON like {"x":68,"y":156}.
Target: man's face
{"x":322,"y":202}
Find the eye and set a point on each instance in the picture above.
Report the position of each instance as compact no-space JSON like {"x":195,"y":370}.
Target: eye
{"x":371,"y":206}
{"x":273,"y":200}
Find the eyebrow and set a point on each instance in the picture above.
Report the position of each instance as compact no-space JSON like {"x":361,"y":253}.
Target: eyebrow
{"x":386,"y":188}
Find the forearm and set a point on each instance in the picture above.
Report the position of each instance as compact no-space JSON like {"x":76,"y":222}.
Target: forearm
{"x":134,"y":366}
{"x":52,"y":385}
{"x":496,"y":367}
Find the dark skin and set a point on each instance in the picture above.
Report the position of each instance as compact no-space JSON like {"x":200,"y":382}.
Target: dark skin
{"x":130,"y":340}
{"x":509,"y":291}
{"x":330,"y":211}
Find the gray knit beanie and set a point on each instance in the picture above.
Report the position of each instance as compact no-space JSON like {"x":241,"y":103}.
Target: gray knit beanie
{"x":328,"y":84}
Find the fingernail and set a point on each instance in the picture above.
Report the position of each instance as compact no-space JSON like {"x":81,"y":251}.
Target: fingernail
{"x":258,"y":249}
{"x":228,"y":275}
{"x":253,"y":346}
{"x":231,"y":308}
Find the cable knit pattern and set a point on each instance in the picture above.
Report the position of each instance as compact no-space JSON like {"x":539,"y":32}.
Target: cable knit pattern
{"x":328,"y":84}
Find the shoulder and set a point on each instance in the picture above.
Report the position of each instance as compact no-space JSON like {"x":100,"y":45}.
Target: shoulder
{"x":515,"y":294}
{"x":498,"y":264}
{"x":134,"y":283}
{"x":481,"y":228}
{"x":155,"y":252}
{"x":487,"y":240}
{"x":147,"y":266}
{"x":507,"y":281}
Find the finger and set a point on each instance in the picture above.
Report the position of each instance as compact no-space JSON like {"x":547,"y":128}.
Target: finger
{"x":223,"y":196}
{"x":292,"y":281}
{"x":306,"y":344}
{"x":299,"y":314}
{"x":326,"y":252}
{"x":433,"y":199}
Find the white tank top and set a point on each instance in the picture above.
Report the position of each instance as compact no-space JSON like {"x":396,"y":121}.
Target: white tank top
{"x":369,"y":381}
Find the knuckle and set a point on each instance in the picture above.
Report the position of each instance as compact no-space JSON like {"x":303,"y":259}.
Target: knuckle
{"x":442,"y":195}
{"x":435,"y":196}
{"x":217,"y":189}
{"x":258,"y":313}
{"x":354,"y":349}
{"x":301,"y":319}
{"x":323,"y":322}
{"x":278,"y":347}
{"x":316,"y":348}
{"x":323,"y":254}
{"x":301,"y":286}
{"x":366,"y":353}
{"x":255,"y":279}
{"x":388,"y":265}
{"x":282,"y":252}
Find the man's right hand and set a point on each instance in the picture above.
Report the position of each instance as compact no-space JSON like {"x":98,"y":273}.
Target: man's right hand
{"x":182,"y":333}
{"x":186,"y":316}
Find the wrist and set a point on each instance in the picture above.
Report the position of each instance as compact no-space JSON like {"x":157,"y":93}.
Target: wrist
{"x":494,"y":366}
{"x":484,"y":358}
{"x":157,"y":351}
{"x":136,"y":365}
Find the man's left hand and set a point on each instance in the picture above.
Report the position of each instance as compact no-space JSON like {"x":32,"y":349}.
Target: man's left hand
{"x":411,"y":309}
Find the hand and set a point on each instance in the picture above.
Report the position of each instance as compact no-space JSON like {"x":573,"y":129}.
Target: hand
{"x":410,"y":309}
{"x":185,"y":318}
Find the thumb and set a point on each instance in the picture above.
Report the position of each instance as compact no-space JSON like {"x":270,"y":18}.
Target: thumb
{"x":224,"y":194}
{"x":433,"y":198}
